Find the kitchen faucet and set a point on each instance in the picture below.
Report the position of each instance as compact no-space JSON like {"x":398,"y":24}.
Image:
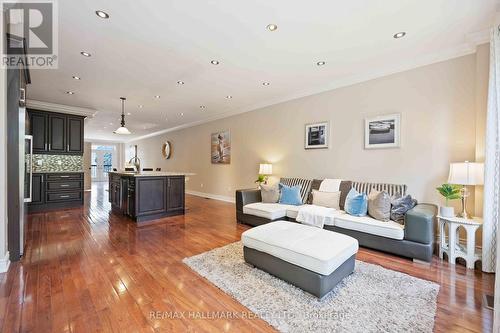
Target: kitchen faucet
{"x":136,"y":161}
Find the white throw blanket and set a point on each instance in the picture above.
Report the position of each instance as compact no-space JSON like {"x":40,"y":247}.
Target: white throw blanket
{"x":330,"y":185}
{"x":314,"y":215}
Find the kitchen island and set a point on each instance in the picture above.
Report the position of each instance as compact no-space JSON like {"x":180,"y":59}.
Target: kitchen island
{"x":147,"y":196}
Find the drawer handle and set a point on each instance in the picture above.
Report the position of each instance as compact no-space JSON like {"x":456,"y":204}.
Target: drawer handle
{"x":64,"y":176}
{"x":64,"y":196}
{"x":64,"y":185}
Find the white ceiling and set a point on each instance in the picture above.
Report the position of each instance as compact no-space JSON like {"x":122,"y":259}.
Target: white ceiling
{"x":145,"y":47}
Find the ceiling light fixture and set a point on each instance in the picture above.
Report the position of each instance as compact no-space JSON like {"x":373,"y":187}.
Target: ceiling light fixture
{"x":85,"y":54}
{"x":157,"y":96}
{"x":399,"y":35}
{"x":180,"y":82}
{"x":70,"y":92}
{"x":321,"y":63}
{"x":229,"y":96}
{"x":122,"y":129}
{"x":76,"y":77}
{"x":182,"y":114}
{"x":102,"y":14}
{"x":272,"y":27}
{"x":141,"y":106}
{"x":214,"y":62}
{"x":203,"y":107}
{"x":265,"y":83}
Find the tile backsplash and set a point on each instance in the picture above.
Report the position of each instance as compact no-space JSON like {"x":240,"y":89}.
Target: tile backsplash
{"x":57,"y":163}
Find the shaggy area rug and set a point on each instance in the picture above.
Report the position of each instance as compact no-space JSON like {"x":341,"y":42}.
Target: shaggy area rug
{"x":372,"y":299}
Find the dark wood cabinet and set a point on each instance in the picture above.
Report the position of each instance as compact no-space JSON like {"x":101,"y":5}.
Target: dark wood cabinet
{"x":56,"y":133}
{"x":145,"y":198}
{"x":75,"y":135}
{"x":175,"y":193}
{"x":39,"y":131}
{"x":56,"y":190}
{"x":37,"y":194}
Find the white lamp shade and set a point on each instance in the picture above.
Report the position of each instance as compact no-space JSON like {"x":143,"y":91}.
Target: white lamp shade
{"x":122,"y":130}
{"x":466,"y":173}
{"x":266,"y":169}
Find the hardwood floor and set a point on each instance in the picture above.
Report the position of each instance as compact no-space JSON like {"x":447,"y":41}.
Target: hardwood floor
{"x":88,"y":270}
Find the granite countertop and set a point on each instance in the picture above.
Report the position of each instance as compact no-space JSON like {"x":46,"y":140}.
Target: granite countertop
{"x":153,"y":173}
{"x":76,"y":171}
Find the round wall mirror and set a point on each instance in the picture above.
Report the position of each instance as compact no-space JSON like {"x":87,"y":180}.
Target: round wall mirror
{"x":166,"y":150}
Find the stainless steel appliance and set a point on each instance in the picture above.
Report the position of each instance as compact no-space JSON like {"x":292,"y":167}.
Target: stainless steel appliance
{"x":28,"y":186}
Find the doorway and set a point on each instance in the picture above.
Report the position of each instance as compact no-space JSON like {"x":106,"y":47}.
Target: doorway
{"x":102,"y":162}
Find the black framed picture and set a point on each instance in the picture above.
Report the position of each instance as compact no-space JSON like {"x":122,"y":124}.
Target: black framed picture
{"x":317,"y":135}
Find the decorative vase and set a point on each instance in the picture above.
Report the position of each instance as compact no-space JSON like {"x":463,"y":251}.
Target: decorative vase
{"x":445,"y":211}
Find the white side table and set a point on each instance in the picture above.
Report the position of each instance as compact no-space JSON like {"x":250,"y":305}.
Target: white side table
{"x":453,"y":248}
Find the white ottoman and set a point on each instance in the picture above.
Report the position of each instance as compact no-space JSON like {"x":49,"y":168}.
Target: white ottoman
{"x":313,"y":259}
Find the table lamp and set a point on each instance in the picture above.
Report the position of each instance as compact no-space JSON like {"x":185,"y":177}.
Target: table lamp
{"x":466,"y":173}
{"x":266,"y":170}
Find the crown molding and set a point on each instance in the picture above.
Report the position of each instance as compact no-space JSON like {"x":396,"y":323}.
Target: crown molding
{"x":467,"y":48}
{"x":45,"y":106}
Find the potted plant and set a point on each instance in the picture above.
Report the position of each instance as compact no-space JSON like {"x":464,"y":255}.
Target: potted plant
{"x":261,"y":179}
{"x":449,"y":192}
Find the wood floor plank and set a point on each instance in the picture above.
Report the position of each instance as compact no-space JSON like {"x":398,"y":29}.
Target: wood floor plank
{"x":92,"y":270}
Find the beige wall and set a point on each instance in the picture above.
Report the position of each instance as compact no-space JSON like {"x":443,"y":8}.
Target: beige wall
{"x":87,"y":164}
{"x":437,"y":104}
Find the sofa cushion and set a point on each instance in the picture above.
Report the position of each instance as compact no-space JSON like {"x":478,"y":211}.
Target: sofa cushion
{"x":305,"y":186}
{"x":356,"y":203}
{"x":293,"y":211}
{"x":345,"y":187}
{"x":315,"y":249}
{"x":369,"y":225}
{"x":271,"y":211}
{"x":270,"y":193}
{"x":327,"y":199}
{"x":290,"y":195}
{"x":392,"y":189}
{"x":379,"y":205}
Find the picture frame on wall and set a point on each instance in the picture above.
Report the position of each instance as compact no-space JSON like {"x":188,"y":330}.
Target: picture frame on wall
{"x":317,"y":135}
{"x":383,"y":131}
{"x":221,"y":147}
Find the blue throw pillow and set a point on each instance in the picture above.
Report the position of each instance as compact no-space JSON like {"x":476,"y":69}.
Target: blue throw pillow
{"x":290,"y":195}
{"x":356,"y":203}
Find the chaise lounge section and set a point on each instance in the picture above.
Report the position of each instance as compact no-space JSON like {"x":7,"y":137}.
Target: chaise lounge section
{"x":414,"y":239}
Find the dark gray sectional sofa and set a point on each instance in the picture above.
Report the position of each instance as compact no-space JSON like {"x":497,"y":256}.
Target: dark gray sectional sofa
{"x":413,"y":240}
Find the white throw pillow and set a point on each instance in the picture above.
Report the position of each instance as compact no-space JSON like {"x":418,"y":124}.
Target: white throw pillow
{"x":326,"y":199}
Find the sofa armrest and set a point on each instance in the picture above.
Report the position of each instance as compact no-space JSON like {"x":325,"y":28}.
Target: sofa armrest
{"x":245,"y":197}
{"x":419,"y":223}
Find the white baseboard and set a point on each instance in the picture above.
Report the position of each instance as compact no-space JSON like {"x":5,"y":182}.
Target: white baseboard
{"x":4,"y":263}
{"x":212,"y":196}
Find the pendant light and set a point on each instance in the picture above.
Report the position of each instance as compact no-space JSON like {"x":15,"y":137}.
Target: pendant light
{"x":122,"y":130}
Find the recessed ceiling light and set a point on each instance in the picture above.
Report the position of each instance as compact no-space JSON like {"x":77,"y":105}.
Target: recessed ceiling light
{"x":182,"y":114}
{"x":265,"y":83}
{"x":157,"y":96}
{"x":76,"y":77}
{"x":399,"y":35}
{"x":85,"y":54}
{"x":320,"y":63}
{"x":214,"y":62}
{"x":141,"y":106}
{"x":102,"y":14}
{"x":180,"y":82}
{"x":229,"y":96}
{"x":70,"y":92}
{"x":203,"y":107}
{"x":128,"y":113}
{"x":111,"y":123}
{"x":272,"y":27}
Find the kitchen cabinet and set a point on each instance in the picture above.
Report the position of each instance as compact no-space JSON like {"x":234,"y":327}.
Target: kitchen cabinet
{"x":56,"y":133}
{"x":56,"y":190}
{"x":147,"y":197}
